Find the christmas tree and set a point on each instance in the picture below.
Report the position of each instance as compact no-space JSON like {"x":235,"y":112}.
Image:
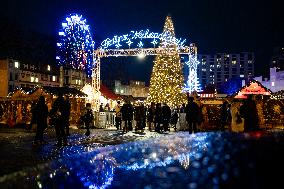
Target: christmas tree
{"x":167,"y":80}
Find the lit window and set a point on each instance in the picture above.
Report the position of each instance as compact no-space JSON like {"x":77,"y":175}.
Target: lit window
{"x":116,"y":90}
{"x":76,"y":81}
{"x":16,"y":64}
{"x":36,"y":79}
{"x":272,"y":84}
{"x":234,"y":61}
{"x":48,"y":67}
{"x":53,"y":78}
{"x":121,"y":91}
{"x":242,"y":76}
{"x":79,"y":82}
{"x":249,"y":61}
{"x":32,"y":79}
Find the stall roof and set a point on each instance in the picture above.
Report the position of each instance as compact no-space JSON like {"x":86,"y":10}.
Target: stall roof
{"x":106,"y":92}
{"x":253,"y":87}
{"x":50,"y":90}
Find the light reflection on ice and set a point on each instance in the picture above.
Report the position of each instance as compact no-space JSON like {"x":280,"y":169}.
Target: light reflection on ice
{"x":96,"y":167}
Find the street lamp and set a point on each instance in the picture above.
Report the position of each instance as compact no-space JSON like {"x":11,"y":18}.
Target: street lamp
{"x":141,"y":55}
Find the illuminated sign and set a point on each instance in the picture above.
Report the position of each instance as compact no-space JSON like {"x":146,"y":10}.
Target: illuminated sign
{"x":165,"y":37}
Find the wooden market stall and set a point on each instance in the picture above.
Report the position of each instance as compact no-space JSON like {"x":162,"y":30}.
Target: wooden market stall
{"x":16,"y":107}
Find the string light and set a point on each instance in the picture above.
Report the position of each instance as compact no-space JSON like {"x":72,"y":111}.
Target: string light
{"x":75,"y":45}
{"x":166,"y":82}
{"x":192,"y":83}
{"x":166,"y":36}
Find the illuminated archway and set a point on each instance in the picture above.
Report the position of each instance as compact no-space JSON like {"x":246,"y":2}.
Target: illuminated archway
{"x":137,"y":43}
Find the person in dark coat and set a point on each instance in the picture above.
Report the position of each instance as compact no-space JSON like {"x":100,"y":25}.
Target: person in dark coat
{"x":41,"y":110}
{"x":166,"y":116}
{"x":192,"y":114}
{"x":174,"y":119}
{"x":88,"y":118}
{"x":224,"y":115}
{"x":101,"y":109}
{"x":158,"y":117}
{"x":182,"y":108}
{"x":66,"y":114}
{"x":117,"y":110}
{"x":58,"y":115}
{"x":249,"y":112}
{"x":127,"y":116}
{"x":137,"y":117}
{"x":150,"y":115}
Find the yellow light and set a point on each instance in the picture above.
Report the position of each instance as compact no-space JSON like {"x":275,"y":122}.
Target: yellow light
{"x":141,"y":55}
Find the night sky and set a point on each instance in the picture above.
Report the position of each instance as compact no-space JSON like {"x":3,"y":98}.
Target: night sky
{"x":214,"y":25}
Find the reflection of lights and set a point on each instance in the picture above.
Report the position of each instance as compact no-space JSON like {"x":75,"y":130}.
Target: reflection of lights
{"x":184,"y":161}
{"x":154,"y":155}
{"x":93,"y":166}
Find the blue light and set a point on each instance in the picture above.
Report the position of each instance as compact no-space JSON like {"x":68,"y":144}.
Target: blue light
{"x":192,"y":83}
{"x":129,"y":42}
{"x":140,"y":44}
{"x":142,"y":34}
{"x":75,"y":45}
{"x":154,"y":42}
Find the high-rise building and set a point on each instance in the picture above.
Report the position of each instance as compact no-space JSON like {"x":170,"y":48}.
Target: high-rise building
{"x":277,"y":59}
{"x":217,"y":69}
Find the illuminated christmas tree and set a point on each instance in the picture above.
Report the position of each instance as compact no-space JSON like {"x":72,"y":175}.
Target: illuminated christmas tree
{"x":75,"y":44}
{"x":167,"y":80}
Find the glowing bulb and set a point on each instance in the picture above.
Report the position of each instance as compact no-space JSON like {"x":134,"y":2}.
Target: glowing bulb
{"x":141,"y":55}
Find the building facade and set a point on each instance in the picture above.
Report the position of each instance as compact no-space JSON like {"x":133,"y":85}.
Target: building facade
{"x":276,"y":82}
{"x":135,"y":88}
{"x":277,"y":59}
{"x":217,"y":69}
{"x":15,"y":74}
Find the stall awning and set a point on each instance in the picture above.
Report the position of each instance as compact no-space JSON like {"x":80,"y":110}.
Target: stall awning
{"x":108,"y":94}
{"x":253,"y":87}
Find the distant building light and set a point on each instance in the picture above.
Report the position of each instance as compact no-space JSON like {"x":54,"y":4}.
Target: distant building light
{"x":61,"y":33}
{"x":79,"y":82}
{"x":234,"y":61}
{"x":53,"y":78}
{"x":242,"y":76}
{"x":116,"y":90}
{"x":272,"y":84}
{"x":48,"y":67}
{"x":64,"y":24}
{"x":17,"y":64}
{"x":36,"y":79}
{"x":32,"y":79}
{"x":121,"y":91}
{"x":57,"y":58}
{"x":58,"y":44}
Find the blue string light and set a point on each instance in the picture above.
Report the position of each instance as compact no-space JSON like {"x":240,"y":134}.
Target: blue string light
{"x":75,"y":46}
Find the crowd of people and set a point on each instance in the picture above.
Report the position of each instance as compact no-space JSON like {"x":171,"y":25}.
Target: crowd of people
{"x":59,"y":117}
{"x":157,"y":117}
{"x":234,"y":116}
